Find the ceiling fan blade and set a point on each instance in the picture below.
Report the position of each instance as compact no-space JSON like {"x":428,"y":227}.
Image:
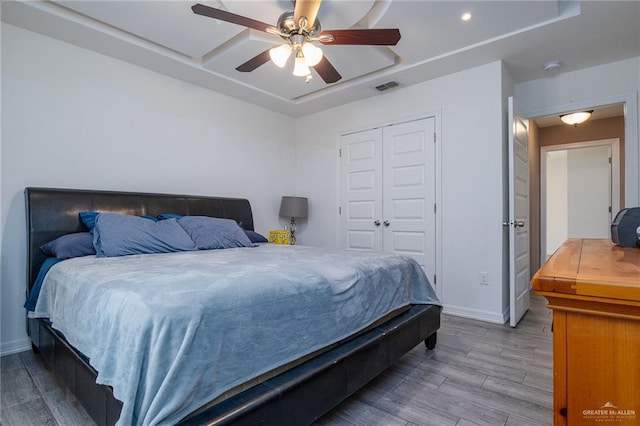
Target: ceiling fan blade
{"x":223,"y":15}
{"x":328,"y":73}
{"x":379,"y":37}
{"x":308,"y":9}
{"x":255,"y":62}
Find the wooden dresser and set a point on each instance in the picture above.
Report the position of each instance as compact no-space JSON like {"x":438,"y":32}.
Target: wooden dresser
{"x":593,"y":288}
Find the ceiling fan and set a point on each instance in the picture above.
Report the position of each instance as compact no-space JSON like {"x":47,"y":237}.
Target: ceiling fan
{"x":301,"y":29}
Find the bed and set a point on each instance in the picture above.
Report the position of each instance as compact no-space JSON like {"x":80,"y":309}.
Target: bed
{"x":298,"y":391}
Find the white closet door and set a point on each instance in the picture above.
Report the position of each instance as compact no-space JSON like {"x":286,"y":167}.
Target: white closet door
{"x":409,"y":191}
{"x":361,"y":190}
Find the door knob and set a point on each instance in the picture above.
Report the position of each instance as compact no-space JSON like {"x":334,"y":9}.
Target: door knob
{"x":376,"y":223}
{"x":520,"y":224}
{"x":386,"y":223}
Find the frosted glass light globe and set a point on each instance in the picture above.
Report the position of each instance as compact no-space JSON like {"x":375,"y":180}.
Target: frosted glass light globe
{"x":312,"y":54}
{"x":280,"y":54}
{"x":300,"y":68}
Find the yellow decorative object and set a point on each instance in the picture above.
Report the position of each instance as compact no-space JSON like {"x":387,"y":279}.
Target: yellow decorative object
{"x":279,"y":236}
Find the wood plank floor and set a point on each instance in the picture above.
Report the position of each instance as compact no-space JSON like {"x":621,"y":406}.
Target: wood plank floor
{"x":479,"y":374}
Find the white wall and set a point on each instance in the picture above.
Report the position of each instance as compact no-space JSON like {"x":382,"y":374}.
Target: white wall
{"x":77,"y":119}
{"x":615,"y":82}
{"x":557,"y":200}
{"x":470,"y":108}
{"x":572,"y":87}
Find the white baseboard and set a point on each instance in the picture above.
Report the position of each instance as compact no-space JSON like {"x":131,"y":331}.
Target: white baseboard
{"x":476,"y":314}
{"x":15,"y":346}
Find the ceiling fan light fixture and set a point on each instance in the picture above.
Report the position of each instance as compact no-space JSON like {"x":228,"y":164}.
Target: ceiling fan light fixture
{"x":307,"y":29}
{"x":312,"y":54}
{"x":576,"y":118}
{"x":301,"y":69}
{"x":279,"y":55}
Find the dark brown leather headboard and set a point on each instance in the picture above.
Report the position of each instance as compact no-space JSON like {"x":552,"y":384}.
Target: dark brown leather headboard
{"x":53,"y":212}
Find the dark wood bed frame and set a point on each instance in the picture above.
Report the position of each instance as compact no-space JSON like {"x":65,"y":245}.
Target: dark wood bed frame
{"x":296,"y":397}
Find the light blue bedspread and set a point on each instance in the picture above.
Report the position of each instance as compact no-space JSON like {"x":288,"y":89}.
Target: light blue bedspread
{"x":170,"y":332}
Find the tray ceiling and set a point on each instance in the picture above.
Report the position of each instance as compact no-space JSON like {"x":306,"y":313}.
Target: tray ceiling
{"x":167,"y":37}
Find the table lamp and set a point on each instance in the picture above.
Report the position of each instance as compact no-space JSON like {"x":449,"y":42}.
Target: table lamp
{"x":294,"y":207}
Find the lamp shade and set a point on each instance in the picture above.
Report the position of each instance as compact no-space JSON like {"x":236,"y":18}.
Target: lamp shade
{"x":294,"y":207}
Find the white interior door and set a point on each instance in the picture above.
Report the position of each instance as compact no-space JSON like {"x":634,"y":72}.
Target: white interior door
{"x":361,"y":190}
{"x":579,"y":191}
{"x":387,"y":191}
{"x":589,"y":192}
{"x":409,"y":191}
{"x":518,"y":223}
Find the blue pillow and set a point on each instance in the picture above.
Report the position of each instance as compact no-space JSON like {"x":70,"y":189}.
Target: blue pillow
{"x":214,"y":233}
{"x":254,"y":237}
{"x":120,"y":235}
{"x":89,"y":219}
{"x":165,"y":216}
{"x":70,"y":245}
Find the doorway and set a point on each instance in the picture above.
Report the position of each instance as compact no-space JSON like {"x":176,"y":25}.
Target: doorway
{"x":614,"y":118}
{"x":579,"y":191}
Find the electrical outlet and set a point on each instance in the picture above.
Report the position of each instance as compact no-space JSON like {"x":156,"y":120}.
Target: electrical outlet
{"x":484,"y":278}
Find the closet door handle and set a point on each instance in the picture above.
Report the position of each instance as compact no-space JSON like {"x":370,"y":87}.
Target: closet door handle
{"x":376,"y":223}
{"x":386,"y":223}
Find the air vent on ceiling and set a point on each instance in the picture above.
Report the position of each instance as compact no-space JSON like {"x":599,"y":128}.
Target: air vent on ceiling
{"x":388,"y":85}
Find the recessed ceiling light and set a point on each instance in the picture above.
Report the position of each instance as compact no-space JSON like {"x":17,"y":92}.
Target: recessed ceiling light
{"x":466,"y":16}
